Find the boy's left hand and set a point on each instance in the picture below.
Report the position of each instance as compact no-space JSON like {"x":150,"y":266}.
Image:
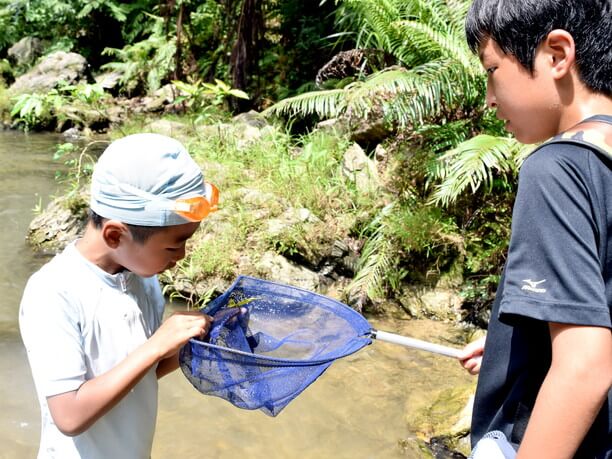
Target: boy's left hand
{"x":471,"y":356}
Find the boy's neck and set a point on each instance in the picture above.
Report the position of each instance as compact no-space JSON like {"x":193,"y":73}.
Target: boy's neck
{"x":583,"y":104}
{"x":95,"y":250}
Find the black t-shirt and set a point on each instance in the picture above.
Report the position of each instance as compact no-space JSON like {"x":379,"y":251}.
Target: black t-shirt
{"x":559,"y":269}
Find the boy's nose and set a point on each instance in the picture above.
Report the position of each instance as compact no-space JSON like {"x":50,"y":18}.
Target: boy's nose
{"x":179,"y":254}
{"x":490,"y":98}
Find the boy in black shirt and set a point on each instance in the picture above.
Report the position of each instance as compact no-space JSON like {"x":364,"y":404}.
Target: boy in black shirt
{"x":546,"y":372}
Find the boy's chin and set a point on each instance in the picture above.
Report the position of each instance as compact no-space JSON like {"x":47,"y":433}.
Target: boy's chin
{"x":145,"y":274}
{"x":151,"y":271}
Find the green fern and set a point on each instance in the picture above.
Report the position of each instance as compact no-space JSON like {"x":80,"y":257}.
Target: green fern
{"x":146,"y":63}
{"x":474,"y":164}
{"x":326,"y":104}
{"x":444,"y":136}
{"x":438,"y":72}
{"x":376,"y":260}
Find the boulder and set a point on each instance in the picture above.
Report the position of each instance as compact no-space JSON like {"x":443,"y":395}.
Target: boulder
{"x":278,"y":268}
{"x":57,"y":67}
{"x":289,"y":218}
{"x":62,"y":221}
{"x":252,"y":118}
{"x":25,"y":51}
{"x":167,"y":127}
{"x":110,"y":81}
{"x":444,"y":421}
{"x":356,"y":166}
{"x":435,"y":303}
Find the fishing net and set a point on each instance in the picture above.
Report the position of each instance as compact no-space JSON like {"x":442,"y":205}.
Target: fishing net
{"x":268,"y":342}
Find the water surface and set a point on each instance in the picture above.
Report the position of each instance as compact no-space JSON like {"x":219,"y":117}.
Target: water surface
{"x":26,"y":181}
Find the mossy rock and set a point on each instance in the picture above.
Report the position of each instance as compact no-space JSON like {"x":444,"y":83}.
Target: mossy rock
{"x":446,"y":421}
{"x":60,"y":223}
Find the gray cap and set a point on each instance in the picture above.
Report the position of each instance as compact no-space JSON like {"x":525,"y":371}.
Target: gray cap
{"x":138,"y":178}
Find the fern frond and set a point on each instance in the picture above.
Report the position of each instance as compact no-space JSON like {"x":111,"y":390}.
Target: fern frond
{"x":326,"y":104}
{"x":377,"y":257}
{"x":433,"y":43}
{"x":148,"y":61}
{"x":457,"y":12}
{"x":375,"y":17}
{"x":474,"y":163}
{"x":407,"y":96}
{"x":433,"y":12}
{"x":425,"y":91}
{"x":443,"y":137}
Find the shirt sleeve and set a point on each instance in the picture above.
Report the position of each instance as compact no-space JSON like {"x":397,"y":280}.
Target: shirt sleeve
{"x":553,"y":272}
{"x":51,"y":332}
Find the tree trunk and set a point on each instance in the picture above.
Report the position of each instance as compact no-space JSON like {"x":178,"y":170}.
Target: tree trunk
{"x":178,"y":70}
{"x":245,"y":53}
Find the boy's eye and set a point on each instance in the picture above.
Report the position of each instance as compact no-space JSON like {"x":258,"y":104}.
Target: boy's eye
{"x":490,"y":70}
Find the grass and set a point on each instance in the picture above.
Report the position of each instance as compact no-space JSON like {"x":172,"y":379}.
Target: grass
{"x":261,"y":181}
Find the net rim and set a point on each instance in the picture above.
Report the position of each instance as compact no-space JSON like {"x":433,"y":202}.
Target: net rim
{"x":214,"y":304}
{"x":279,"y":361}
{"x":363,"y":339}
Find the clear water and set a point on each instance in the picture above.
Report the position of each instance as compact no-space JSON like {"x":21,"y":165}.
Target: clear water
{"x":364,"y":406}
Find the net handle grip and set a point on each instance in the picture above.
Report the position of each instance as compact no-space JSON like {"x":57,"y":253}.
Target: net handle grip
{"x":415,"y":343}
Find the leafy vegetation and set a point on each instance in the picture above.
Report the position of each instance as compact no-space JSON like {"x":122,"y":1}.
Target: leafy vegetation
{"x":265,"y":48}
{"x":440,"y":214}
{"x":435,"y":90}
{"x":436,"y":73}
{"x":144,"y":65}
{"x":477,"y":162}
{"x":199,"y":97}
{"x":81,"y":104}
{"x":36,"y":109}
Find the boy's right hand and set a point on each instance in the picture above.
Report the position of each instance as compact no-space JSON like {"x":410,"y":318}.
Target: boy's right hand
{"x":471,"y":356}
{"x":177,"y":329}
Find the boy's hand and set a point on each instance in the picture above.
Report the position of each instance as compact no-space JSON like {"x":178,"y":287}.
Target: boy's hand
{"x":177,"y":330}
{"x":471,"y":356}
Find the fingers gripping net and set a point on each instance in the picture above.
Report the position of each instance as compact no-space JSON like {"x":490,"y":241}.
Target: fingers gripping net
{"x":268,"y":342}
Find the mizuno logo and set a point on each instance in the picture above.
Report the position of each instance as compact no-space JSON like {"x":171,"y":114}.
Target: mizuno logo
{"x":532,"y":286}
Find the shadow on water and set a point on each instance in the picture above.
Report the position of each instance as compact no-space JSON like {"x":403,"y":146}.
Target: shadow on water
{"x":363,"y":406}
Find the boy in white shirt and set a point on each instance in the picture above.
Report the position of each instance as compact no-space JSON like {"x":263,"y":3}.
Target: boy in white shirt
{"x":91,"y":319}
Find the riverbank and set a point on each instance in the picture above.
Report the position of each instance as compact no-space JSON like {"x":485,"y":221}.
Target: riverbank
{"x":289,"y":211}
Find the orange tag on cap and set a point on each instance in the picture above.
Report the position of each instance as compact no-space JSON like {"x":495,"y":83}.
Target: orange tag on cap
{"x":197,"y":208}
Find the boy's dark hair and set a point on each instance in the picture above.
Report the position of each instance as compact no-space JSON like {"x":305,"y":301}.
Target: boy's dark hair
{"x":139,"y":233}
{"x":520,"y":26}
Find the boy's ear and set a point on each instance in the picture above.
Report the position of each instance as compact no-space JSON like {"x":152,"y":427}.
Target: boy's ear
{"x":112,"y":232}
{"x":560,"y":51}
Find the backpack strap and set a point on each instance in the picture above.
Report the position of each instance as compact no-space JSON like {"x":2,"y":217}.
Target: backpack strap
{"x":594,"y":134}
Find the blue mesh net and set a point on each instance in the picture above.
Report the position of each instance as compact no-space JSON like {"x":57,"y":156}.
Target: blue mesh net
{"x":268,"y":342}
